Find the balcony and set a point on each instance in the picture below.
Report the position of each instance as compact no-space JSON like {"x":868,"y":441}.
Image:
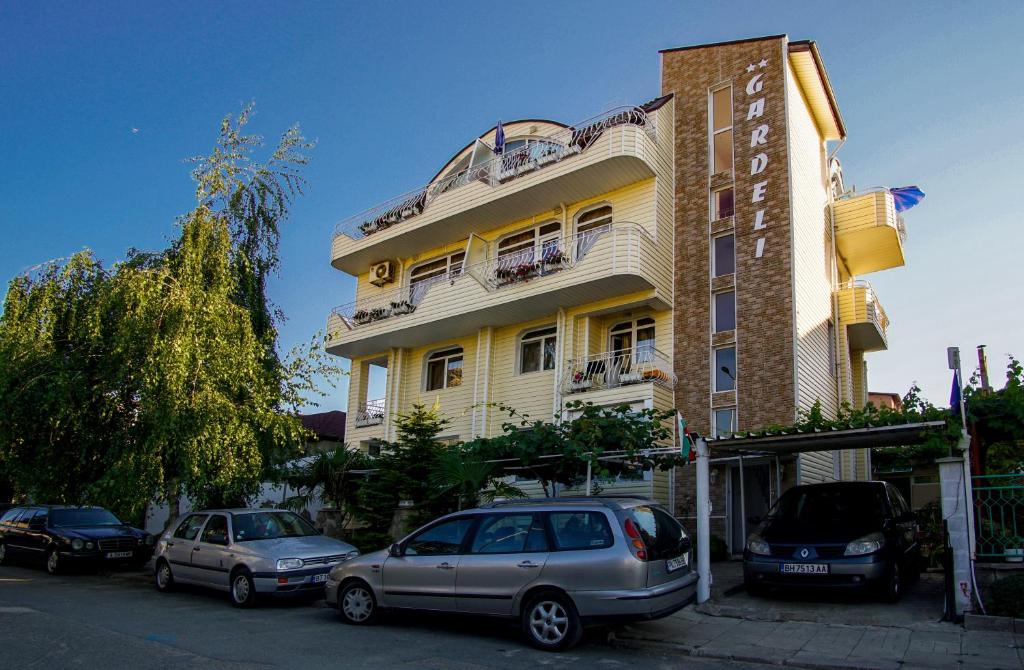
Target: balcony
{"x":370,"y":413}
{"x":865,"y":319}
{"x":615,"y":260}
{"x":614,"y":369}
{"x":869,"y":232}
{"x":610,"y":151}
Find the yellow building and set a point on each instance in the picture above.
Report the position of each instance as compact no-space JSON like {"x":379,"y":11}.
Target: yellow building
{"x":699,"y":252}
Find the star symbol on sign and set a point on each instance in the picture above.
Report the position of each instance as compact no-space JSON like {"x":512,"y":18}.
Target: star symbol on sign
{"x":763,"y":63}
{"x":750,"y":68}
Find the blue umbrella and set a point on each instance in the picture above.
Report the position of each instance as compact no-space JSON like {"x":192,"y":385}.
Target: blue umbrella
{"x":906,"y":197}
{"x":499,"y":139}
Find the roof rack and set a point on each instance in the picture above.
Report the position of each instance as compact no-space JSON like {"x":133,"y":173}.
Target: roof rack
{"x":608,"y":501}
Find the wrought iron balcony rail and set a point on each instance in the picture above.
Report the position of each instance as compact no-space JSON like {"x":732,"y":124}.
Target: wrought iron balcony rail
{"x":875,"y":311}
{"x":536,"y":154}
{"x":495,"y":273}
{"x":613,"y":369}
{"x":370,"y":413}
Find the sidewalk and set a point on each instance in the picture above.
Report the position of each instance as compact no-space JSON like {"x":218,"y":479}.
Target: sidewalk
{"x":826,"y":646}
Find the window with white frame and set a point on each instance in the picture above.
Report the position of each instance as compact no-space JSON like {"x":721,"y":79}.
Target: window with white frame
{"x":721,"y":130}
{"x":723,"y":203}
{"x":444,"y":369}
{"x":723,"y":255}
{"x":537,"y":350}
{"x":539,"y":242}
{"x":590,"y":225}
{"x":725,"y":422}
{"x":440,"y":268}
{"x":725,"y":311}
{"x":636,"y":336}
{"x":725,"y":369}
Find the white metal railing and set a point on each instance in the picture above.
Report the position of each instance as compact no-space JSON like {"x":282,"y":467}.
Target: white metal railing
{"x":613,"y":369}
{"x":499,"y":272}
{"x":370,"y":413}
{"x":875,"y":311}
{"x":898,"y":222}
{"x":536,"y":154}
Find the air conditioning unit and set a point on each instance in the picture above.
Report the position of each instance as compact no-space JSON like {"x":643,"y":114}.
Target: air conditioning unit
{"x":381,"y":273}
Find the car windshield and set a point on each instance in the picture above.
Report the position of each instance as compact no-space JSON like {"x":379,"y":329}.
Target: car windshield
{"x":270,"y":525}
{"x":83,"y":516}
{"x":826,"y":508}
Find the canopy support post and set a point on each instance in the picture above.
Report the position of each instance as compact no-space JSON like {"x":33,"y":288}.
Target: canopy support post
{"x":743,"y":509}
{"x":703,"y":522}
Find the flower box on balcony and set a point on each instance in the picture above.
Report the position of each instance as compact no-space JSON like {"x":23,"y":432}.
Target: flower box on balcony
{"x":516,"y":273}
{"x":364,"y":316}
{"x":631,"y":377}
{"x":576,"y":387}
{"x":402,"y":307}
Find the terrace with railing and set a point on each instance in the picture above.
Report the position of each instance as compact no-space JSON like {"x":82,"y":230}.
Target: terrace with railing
{"x":534,"y":155}
{"x":612,"y":369}
{"x":370,"y":413}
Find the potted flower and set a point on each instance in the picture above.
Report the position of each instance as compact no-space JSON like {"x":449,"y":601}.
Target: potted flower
{"x":553,"y":260}
{"x":368,"y":227}
{"x":361,"y":316}
{"x":580,"y":382}
{"x":378,"y":313}
{"x":402,"y":307}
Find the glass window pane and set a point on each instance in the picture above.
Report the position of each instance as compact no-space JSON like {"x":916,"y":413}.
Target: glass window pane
{"x":721,"y":104}
{"x":189,"y":528}
{"x":722,"y":159}
{"x":530,"y":357}
{"x":725,"y":422}
{"x":725,"y":255}
{"x":550,"y":228}
{"x":725,"y":311}
{"x":218,"y":526}
{"x":509,"y":534}
{"x":581,"y":530}
{"x":455,"y":371}
{"x":724,"y":204}
{"x":550,"y":345}
{"x":725,"y":369}
{"x":435,"y":375}
{"x":445,"y":538}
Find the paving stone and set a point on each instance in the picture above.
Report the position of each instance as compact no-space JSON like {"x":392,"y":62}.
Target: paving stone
{"x":930,"y":659}
{"x":792,"y":635}
{"x":835,"y":641}
{"x":883,"y":643}
{"x":816,"y":661}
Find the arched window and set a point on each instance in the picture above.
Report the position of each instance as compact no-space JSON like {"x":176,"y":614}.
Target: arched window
{"x":529,"y":245}
{"x":590,"y":225}
{"x":537,"y":350}
{"x":444,"y":369}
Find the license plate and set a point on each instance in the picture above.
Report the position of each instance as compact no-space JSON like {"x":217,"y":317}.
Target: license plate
{"x":674,"y":564}
{"x":319,"y":578}
{"x":805,"y":568}
{"x":119,"y":554}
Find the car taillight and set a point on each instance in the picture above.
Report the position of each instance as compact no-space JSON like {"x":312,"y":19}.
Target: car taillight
{"x":636,"y":542}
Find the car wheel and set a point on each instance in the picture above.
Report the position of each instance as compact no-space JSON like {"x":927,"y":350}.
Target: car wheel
{"x":550,"y":622}
{"x":892,"y":588}
{"x":53,"y":562}
{"x":164,"y":577}
{"x":243,"y":589}
{"x":357,"y":605}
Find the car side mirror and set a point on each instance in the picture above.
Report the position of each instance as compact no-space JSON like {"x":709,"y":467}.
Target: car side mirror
{"x":395,"y":550}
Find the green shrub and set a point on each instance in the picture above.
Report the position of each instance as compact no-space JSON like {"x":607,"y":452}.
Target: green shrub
{"x":1007,"y":597}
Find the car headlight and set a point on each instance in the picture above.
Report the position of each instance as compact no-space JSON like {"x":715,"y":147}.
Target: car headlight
{"x":868,"y":544}
{"x":758,"y":546}
{"x":350,"y":555}
{"x":289,"y":563}
{"x":150,"y":540}
{"x":77,"y":544}
{"x":88,"y":545}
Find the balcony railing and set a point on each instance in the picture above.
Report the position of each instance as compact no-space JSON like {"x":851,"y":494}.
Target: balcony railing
{"x":536,"y":154}
{"x":513,"y":269}
{"x":613,"y":369}
{"x":875,"y":312}
{"x":370,"y":413}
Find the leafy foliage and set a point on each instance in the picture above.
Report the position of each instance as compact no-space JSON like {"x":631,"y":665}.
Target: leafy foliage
{"x":157,"y":378}
{"x":328,"y":477}
{"x":998,"y":419}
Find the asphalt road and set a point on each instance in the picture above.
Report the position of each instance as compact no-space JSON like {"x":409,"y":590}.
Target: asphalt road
{"x":119,"y":620}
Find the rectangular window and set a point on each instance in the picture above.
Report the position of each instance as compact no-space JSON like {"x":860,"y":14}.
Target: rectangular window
{"x":723,"y":204}
{"x":444,"y":369}
{"x":537,"y":350}
{"x":724,"y":255}
{"x":725,"y":311}
{"x":725,"y":369}
{"x":832,"y":348}
{"x":725,"y":422}
{"x":510,"y":534}
{"x":580,"y":530}
{"x":721,"y":130}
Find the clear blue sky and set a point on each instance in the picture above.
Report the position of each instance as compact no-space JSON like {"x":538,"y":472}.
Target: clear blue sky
{"x":931,"y":94}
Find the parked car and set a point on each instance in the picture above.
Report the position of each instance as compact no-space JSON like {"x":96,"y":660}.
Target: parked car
{"x":248,"y":552}
{"x":555,"y":564}
{"x":843,"y":534}
{"x":60,"y":535}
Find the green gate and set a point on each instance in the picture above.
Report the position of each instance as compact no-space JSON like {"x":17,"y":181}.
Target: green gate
{"x":999,"y":515}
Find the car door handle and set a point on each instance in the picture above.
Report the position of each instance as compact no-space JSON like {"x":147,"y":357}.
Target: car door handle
{"x":528,"y":564}
{"x":445,"y":566}
{"x":196,"y":548}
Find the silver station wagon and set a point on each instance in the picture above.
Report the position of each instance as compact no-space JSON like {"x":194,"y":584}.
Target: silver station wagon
{"x":556,"y":564}
{"x":248,"y":552}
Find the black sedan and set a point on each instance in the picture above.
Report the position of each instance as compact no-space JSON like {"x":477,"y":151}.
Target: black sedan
{"x":842,"y":534}
{"x":62,"y":535}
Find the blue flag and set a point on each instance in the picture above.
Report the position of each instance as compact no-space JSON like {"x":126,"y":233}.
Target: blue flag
{"x":954,"y":394}
{"x":499,"y":139}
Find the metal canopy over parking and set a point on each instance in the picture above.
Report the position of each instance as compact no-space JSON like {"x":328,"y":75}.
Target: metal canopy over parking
{"x":778,"y":444}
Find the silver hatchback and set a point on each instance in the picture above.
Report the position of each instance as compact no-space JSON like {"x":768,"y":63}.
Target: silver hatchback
{"x":556,"y":564}
{"x":248,"y":552}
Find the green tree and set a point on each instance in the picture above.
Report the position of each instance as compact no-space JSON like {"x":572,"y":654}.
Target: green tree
{"x":998,"y":421}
